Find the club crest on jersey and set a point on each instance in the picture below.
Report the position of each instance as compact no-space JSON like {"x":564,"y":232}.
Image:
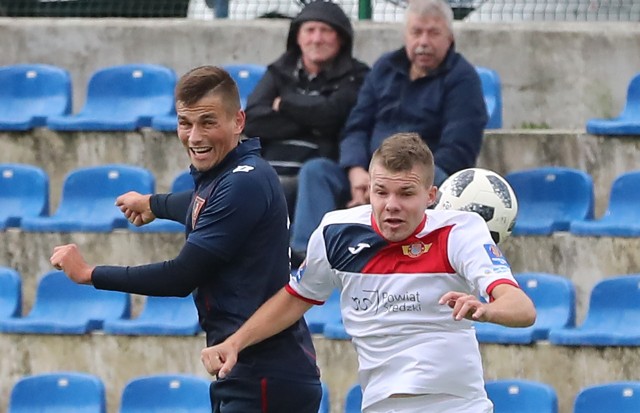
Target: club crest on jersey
{"x":496,"y":256}
{"x":198,"y":203}
{"x":416,"y":249}
{"x":297,"y":276}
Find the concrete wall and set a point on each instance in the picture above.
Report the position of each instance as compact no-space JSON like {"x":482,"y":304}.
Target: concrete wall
{"x":555,"y":74}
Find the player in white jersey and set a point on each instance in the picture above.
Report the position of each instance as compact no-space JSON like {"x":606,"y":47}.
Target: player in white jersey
{"x":410,"y":282}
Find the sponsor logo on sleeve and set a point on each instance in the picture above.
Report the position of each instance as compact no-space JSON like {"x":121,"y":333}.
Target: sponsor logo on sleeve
{"x":297,"y":275}
{"x":496,"y":256}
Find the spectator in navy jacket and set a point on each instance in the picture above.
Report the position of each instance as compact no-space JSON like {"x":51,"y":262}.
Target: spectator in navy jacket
{"x":425,"y":87}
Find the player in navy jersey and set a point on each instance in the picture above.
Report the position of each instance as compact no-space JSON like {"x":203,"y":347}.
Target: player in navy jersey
{"x":410,"y":280}
{"x":236,"y":252}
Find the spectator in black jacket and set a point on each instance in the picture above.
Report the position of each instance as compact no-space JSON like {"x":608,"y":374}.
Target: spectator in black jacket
{"x":301,"y":104}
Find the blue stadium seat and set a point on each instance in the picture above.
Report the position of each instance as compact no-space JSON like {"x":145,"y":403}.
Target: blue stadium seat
{"x":522,"y":396}
{"x":554,"y":299}
{"x":616,"y":397}
{"x":122,"y":98}
{"x":628,"y":122}
{"x":549,"y":198}
{"x":492,"y":92}
{"x":247,"y":77}
{"x":10,"y":293}
{"x":179,"y":393}
{"x":24,"y":191}
{"x":325,"y":402}
{"x":165,"y":123}
{"x":319,"y":315}
{"x":60,"y":392}
{"x":622,"y":218}
{"x":64,"y":307}
{"x":31,"y":93}
{"x":161,"y":316}
{"x":182,"y":182}
{"x":88,"y":199}
{"x":336,"y":331}
{"x":353,"y":400}
{"x":612,"y":318}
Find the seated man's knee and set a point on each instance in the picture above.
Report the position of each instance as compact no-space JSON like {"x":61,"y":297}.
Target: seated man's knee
{"x":316,"y":167}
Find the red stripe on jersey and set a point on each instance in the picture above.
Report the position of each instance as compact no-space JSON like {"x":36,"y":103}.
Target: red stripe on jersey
{"x":263,"y":389}
{"x":295,"y":294}
{"x":497,"y":283}
{"x":414,"y":255}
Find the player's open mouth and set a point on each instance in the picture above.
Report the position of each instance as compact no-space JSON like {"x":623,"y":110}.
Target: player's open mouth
{"x":198,"y":151}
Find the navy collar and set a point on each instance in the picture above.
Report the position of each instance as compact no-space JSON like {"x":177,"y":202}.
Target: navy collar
{"x":245,"y":146}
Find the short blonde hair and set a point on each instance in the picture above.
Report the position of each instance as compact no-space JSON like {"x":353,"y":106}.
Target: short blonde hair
{"x":401,"y":152}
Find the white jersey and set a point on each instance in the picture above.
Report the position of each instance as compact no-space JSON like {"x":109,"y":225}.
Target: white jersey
{"x":406,"y":342}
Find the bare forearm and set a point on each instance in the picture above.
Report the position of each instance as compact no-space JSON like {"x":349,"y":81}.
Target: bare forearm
{"x":512,"y":309}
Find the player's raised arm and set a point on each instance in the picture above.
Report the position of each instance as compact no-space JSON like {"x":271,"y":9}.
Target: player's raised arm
{"x":278,"y":313}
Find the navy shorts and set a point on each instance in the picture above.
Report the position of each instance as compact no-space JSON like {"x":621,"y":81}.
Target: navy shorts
{"x":264,"y":395}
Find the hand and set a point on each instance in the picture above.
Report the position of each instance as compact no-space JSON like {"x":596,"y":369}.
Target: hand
{"x":68,"y":259}
{"x":276,"y":104}
{"x":359,"y":179}
{"x":219,"y":359}
{"x":465,"y":306}
{"x":136,"y":207}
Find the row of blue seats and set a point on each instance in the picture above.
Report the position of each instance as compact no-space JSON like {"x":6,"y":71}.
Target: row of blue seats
{"x":550,"y":199}
{"x":119,"y":98}
{"x":614,"y":307}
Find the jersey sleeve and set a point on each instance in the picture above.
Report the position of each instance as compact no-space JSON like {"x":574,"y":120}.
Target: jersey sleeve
{"x":313,"y":281}
{"x":475,"y":256}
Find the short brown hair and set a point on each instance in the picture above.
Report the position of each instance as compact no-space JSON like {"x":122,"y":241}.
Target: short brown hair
{"x":401,"y":152}
{"x":205,"y":80}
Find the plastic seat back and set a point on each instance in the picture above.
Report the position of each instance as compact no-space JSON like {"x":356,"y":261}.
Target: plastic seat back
{"x":613,"y":305}
{"x":618,"y":397}
{"x":553,"y":297}
{"x":631,"y":109}
{"x":492,"y":92}
{"x":320,"y":315}
{"x":353,"y":400}
{"x":166,"y":394}
{"x":246,"y":77}
{"x":32,"y":92}
{"x":549,"y":198}
{"x":10,"y":293}
{"x":522,"y":396}
{"x":61,"y":392}
{"x":24,"y":191}
{"x":183,"y":182}
{"x":624,"y":198}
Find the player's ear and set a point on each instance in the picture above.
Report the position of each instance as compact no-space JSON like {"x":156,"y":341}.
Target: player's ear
{"x":432,"y":195}
{"x":240,"y":118}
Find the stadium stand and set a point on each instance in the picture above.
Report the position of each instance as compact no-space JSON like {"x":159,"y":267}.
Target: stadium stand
{"x":612,"y":316}
{"x":628,"y":122}
{"x":549,"y":198}
{"x":328,"y":313}
{"x":64,"y":307}
{"x":247,"y":77}
{"x":554,"y":298}
{"x":353,"y":400}
{"x":165,"y":123}
{"x":618,"y":397}
{"x":29,"y":93}
{"x":622,"y":218}
{"x":182,"y":182}
{"x":59,"y":392}
{"x":10,"y":293}
{"x":492,"y":91}
{"x":166,"y":393}
{"x":88,"y":199}
{"x":160,"y":316}
{"x":24,"y":191}
{"x":522,"y":396}
{"x":122,"y":98}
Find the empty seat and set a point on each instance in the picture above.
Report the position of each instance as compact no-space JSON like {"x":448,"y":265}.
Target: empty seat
{"x":628,"y":122}
{"x":246,"y":77}
{"x":31,"y":93}
{"x":549,"y":198}
{"x":161,"y":316}
{"x":325,"y":402}
{"x":182,"y":182}
{"x":492,"y":92}
{"x":60,"y":392}
{"x":122,"y":98}
{"x":88,"y":199}
{"x":353,"y":400}
{"x":612,"y":318}
{"x":24,"y":191}
{"x":554,"y":299}
{"x":177,"y":393}
{"x":616,"y":397}
{"x":166,"y":123}
{"x":522,"y":396}
{"x":64,"y":307}
{"x":10,"y":293}
{"x":622,"y":218}
{"x":319,"y":315}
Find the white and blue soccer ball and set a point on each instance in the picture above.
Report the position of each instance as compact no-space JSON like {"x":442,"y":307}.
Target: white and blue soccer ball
{"x":484,"y":192}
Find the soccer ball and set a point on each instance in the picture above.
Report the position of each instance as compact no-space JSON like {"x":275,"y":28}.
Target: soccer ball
{"x":485,"y":192}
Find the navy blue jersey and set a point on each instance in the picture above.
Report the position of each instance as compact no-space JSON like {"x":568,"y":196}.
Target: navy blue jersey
{"x":234,"y":259}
